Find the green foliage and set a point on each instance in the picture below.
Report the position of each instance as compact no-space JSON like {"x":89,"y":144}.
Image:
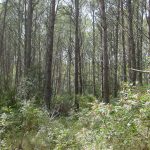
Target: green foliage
{"x":63,"y":99}
{"x":24,"y":89}
{"x":123,"y":125}
{"x":62,"y":105}
{"x":7,"y":97}
{"x":19,"y":123}
{"x":86,"y":101}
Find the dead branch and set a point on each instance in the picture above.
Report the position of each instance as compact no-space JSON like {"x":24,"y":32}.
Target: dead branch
{"x":142,"y":71}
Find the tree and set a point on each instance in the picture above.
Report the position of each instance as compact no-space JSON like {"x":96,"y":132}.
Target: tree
{"x":148,"y":22}
{"x":3,"y":29}
{"x":139,"y":43}
{"x":28,"y":38}
{"x":132,"y":54}
{"x":77,"y":52}
{"x":18,"y":65}
{"x":49,"y":55}
{"x":116,"y":51}
{"x":93,"y":58}
{"x":105,"y":53}
{"x":123,"y":43}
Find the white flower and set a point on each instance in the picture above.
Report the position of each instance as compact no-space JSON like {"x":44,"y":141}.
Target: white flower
{"x":128,"y":124}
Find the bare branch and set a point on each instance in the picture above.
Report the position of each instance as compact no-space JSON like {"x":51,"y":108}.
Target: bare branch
{"x":142,"y":71}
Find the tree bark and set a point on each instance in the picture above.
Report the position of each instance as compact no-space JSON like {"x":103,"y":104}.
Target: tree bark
{"x":49,"y":56}
{"x":28,"y":36}
{"x":3,"y":28}
{"x":2,"y":33}
{"x":105,"y":53}
{"x":77,"y":54}
{"x":123,"y":44}
{"x":18,"y":65}
{"x":148,"y":21}
{"x":93,"y":59}
{"x":139,"y":41}
{"x":132,"y":59}
{"x":116,"y":52}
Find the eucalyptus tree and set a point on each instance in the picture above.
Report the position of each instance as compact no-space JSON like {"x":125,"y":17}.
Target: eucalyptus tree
{"x":2,"y":34}
{"x":148,"y":21}
{"x":124,"y":60}
{"x":49,"y":55}
{"x":116,"y":50}
{"x":132,"y":53}
{"x":77,"y":52}
{"x":92,"y":5}
{"x":28,"y":36}
{"x":105,"y":52}
{"x":139,"y":43}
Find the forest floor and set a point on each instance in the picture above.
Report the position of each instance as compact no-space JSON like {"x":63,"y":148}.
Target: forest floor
{"x":123,"y":125}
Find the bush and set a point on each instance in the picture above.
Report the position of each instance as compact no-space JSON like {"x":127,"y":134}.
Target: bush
{"x":123,"y":125}
{"x":86,"y":101}
{"x":20,"y":122}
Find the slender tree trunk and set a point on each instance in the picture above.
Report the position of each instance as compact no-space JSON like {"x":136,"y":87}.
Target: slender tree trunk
{"x":49,"y":56}
{"x":105,"y":53}
{"x":69,"y":70}
{"x":35,"y":37}
{"x":2,"y":33}
{"x":93,"y":59}
{"x":77,"y":54}
{"x":140,"y":77}
{"x":102,"y":63}
{"x":148,"y":21}
{"x":3,"y":28}
{"x":116,"y":52}
{"x":18,"y":65}
{"x":28,"y":36}
{"x":123,"y":44}
{"x":39,"y":62}
{"x":70,"y":57}
{"x":59,"y":73}
{"x":139,"y":42}
{"x":132,"y":63}
{"x":80,"y":73}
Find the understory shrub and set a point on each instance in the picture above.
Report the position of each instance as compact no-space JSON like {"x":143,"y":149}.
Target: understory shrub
{"x":124,"y":125}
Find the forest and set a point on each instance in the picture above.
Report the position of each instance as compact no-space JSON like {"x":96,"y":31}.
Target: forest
{"x":74,"y":74}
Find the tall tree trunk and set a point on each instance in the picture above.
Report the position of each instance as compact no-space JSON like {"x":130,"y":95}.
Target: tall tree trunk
{"x":93,"y":59}
{"x":139,"y":41}
{"x":2,"y":33}
{"x":49,"y":56}
{"x":80,"y":73}
{"x":77,"y":54}
{"x":105,"y":53}
{"x":28,"y":37}
{"x":148,"y":21}
{"x":39,"y":63}
{"x":140,"y":77}
{"x":132,"y":63}
{"x":18,"y":65}
{"x":116,"y":52}
{"x":70,"y":56}
{"x":102,"y":63}
{"x":123,"y":44}
{"x":3,"y":28}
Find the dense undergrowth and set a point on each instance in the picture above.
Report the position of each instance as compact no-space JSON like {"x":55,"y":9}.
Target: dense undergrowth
{"x":122,"y":125}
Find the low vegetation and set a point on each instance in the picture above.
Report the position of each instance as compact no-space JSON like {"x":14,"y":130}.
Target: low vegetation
{"x":122,"y":125}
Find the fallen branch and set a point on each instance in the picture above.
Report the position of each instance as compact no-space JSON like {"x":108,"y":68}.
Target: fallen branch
{"x":140,"y":70}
